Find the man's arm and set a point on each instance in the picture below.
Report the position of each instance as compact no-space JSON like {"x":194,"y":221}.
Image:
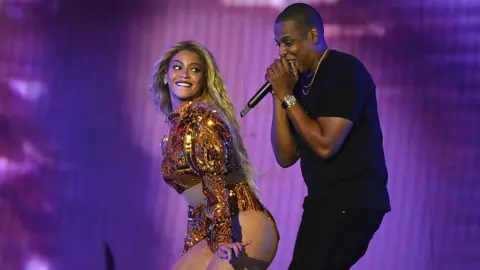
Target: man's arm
{"x":283,"y":143}
{"x":325,"y":135}
{"x":336,"y":115}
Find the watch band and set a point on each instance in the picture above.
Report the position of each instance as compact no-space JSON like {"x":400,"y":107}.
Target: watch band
{"x":288,"y":101}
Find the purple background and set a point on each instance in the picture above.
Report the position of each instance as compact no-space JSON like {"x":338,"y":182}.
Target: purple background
{"x":73,"y":86}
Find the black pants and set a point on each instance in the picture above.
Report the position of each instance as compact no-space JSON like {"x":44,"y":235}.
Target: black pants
{"x":332,"y":238}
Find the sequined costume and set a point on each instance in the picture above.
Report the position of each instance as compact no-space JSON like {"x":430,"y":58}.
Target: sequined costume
{"x":198,"y":149}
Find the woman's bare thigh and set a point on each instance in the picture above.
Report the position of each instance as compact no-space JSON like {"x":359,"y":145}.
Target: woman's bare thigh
{"x":198,"y":257}
{"x":252,"y":226}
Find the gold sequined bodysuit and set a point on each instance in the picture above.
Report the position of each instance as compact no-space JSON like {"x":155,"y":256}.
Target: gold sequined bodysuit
{"x":198,"y":149}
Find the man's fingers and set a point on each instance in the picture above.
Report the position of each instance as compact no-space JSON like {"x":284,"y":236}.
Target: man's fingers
{"x":270,"y":73}
{"x":275,"y":66}
{"x":293,"y":66}
{"x":285,"y":65}
{"x":279,"y":66}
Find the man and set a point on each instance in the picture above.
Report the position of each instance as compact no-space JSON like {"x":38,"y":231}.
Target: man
{"x":325,"y":113}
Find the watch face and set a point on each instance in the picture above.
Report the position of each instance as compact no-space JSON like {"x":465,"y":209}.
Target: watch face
{"x":290,"y":99}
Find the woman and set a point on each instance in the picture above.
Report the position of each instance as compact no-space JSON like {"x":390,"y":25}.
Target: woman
{"x":205,"y":162}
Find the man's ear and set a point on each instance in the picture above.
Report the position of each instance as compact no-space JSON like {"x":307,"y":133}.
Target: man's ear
{"x":313,"y":35}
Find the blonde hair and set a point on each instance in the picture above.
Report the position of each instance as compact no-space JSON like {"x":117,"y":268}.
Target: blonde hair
{"x":215,"y":92}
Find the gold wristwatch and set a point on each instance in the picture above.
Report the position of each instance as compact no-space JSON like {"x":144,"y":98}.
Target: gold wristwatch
{"x":288,"y":101}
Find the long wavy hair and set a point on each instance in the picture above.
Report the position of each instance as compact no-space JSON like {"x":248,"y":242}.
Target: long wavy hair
{"x":214,"y":92}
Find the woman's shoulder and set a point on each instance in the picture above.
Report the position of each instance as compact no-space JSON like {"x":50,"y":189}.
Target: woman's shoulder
{"x":202,"y":107}
{"x":207,"y":122}
{"x":206,"y":111}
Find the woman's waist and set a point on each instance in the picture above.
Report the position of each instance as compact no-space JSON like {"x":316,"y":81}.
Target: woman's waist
{"x":194,"y":195}
{"x":239,"y":198}
{"x":242,"y":198}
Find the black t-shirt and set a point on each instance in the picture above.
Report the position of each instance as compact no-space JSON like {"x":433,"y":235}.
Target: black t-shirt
{"x":356,"y":176}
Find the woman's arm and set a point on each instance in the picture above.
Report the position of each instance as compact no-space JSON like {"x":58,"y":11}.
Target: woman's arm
{"x":208,"y":146}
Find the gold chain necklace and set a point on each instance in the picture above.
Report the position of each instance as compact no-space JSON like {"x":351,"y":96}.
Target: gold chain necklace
{"x":308,"y":87}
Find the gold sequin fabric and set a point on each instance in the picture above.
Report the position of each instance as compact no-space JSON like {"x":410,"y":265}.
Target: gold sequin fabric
{"x":198,"y":150}
{"x":198,"y":143}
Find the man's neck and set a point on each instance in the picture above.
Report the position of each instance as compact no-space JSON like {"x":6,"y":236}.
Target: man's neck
{"x":316,"y":56}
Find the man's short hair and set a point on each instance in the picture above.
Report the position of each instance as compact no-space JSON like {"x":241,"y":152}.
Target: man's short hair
{"x":304,"y":15}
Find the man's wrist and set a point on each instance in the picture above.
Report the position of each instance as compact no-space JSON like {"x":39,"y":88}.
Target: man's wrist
{"x":288,"y":101}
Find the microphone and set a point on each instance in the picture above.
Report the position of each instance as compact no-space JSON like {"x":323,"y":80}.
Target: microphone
{"x":261,"y":93}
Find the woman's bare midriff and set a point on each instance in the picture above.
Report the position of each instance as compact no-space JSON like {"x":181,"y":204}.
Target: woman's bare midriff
{"x":194,"y":195}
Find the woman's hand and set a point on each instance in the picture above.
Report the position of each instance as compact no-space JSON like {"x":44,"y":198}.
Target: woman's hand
{"x":224,"y":251}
